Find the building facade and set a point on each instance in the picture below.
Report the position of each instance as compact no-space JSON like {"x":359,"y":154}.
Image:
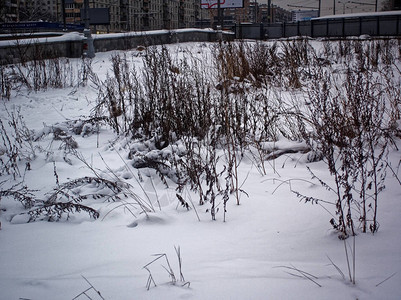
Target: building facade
{"x":277,"y":14}
{"x":253,"y":12}
{"x":124,"y":15}
{"x":140,"y":15}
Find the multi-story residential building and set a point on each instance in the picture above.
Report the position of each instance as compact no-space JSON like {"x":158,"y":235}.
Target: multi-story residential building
{"x":254,"y":12}
{"x":277,"y":14}
{"x":188,"y":13}
{"x":280,"y":15}
{"x":134,"y":15}
{"x":246,"y":14}
{"x":72,"y":11}
{"x":170,"y":14}
{"x":153,"y":14}
{"x":124,"y":15}
{"x":158,"y":14}
{"x":240,"y":15}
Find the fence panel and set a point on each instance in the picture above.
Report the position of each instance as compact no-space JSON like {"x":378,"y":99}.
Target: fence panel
{"x":291,"y":29}
{"x":369,"y":26}
{"x":352,"y":27}
{"x":274,"y":31}
{"x":320,"y":28}
{"x":389,"y":26}
{"x":305,"y":28}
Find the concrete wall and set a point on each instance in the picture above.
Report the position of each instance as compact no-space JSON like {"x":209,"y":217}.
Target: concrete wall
{"x":71,"y":45}
{"x":108,"y":42}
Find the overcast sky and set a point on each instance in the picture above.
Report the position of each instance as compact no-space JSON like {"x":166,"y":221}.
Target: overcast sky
{"x":327,"y":5}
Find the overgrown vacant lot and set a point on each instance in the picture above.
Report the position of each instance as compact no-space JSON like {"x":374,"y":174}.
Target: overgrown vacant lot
{"x":244,"y":170}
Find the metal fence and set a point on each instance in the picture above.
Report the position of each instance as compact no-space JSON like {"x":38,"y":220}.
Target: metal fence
{"x":379,"y":25}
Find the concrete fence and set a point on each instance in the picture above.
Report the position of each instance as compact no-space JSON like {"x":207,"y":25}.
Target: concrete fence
{"x":19,"y":48}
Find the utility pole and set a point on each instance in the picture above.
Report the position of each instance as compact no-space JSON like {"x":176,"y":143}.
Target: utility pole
{"x":256,"y":12}
{"x":219,"y":14}
{"x":344,"y":4}
{"x":90,"y":50}
{"x":63,"y":13}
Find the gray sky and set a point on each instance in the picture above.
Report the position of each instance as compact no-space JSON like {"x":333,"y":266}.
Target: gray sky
{"x":327,"y":5}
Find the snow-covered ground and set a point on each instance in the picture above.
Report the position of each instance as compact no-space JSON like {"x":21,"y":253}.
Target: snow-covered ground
{"x":272,"y":246}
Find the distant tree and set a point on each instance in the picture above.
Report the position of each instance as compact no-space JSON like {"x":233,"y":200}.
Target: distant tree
{"x":35,"y":11}
{"x":3,"y":10}
{"x":388,"y":5}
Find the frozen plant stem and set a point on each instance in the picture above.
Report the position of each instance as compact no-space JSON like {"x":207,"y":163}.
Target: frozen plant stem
{"x":168,"y":269}
{"x":304,"y":274}
{"x":88,"y":289}
{"x":351,"y":276}
{"x":386,"y":279}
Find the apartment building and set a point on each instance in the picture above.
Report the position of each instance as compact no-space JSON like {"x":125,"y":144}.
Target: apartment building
{"x":136,"y":15}
{"x":124,"y":15}
{"x":139,"y":15}
{"x":253,"y":12}
{"x":72,"y":11}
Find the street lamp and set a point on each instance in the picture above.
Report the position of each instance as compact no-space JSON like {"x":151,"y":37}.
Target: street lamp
{"x":344,"y":3}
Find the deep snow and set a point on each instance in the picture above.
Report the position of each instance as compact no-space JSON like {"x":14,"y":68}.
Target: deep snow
{"x":247,"y":257}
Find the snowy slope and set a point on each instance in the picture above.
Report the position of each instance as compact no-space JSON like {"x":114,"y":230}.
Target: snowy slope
{"x":272,"y":246}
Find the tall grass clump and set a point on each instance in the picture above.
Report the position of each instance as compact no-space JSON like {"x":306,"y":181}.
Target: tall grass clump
{"x":34,"y":71}
{"x":198,"y":121}
{"x":350,"y":121}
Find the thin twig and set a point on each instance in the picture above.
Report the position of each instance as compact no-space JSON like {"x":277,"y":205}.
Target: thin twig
{"x":178,"y":252}
{"x":91,"y":287}
{"x":346,"y":255}
{"x":392,"y":275}
{"x":337,"y":268}
{"x":303,"y":273}
{"x":190,"y":200}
